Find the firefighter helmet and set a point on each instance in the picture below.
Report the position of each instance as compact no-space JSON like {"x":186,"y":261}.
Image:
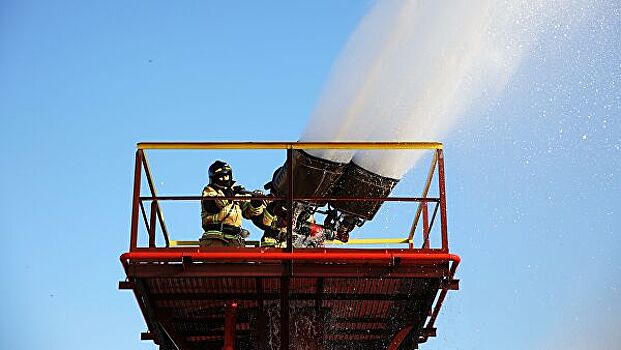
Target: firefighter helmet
{"x":221,"y":174}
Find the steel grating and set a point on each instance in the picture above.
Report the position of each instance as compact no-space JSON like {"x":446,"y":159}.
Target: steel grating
{"x":357,"y":308}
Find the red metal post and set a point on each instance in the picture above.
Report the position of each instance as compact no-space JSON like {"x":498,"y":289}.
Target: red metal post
{"x":151,"y":184}
{"x":133,"y":241}
{"x":261,"y":317}
{"x":320,"y":318}
{"x":229,"y":325}
{"x":442,"y":188}
{"x":289,"y":168}
{"x":285,"y":280}
{"x":443,"y":292}
{"x":399,"y":337}
{"x":432,"y":170}
{"x":152,"y":223}
{"x":284,"y":306}
{"x":425,"y":225}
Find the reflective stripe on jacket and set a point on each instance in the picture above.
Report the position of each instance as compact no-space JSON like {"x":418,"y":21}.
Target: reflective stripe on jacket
{"x":225,"y":211}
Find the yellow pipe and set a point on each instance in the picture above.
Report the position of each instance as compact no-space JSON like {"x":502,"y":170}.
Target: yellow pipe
{"x":212,"y":145}
{"x":367,"y":145}
{"x":286,"y":145}
{"x":372,"y":241}
{"x":174,"y":243}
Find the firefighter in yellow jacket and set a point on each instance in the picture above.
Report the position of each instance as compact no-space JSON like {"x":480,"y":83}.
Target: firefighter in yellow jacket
{"x":274,"y":227}
{"x":222,"y":218}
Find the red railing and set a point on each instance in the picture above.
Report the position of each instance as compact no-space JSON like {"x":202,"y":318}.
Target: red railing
{"x":154,"y":217}
{"x":430,"y":209}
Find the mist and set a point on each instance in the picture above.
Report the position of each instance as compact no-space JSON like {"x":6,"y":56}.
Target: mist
{"x":413,"y":68}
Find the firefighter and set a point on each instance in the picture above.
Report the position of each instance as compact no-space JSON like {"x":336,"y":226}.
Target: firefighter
{"x":273,"y":222}
{"x":222,"y":218}
{"x":274,"y":227}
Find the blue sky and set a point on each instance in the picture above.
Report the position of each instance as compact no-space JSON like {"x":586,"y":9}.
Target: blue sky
{"x":533,"y":179}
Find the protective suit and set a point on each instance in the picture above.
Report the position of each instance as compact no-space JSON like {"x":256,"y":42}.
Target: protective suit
{"x":222,"y":218}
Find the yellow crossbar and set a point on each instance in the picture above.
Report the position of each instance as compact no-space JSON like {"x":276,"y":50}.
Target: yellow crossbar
{"x":286,"y":145}
{"x":174,"y":243}
{"x":353,"y":241}
{"x":371,"y":241}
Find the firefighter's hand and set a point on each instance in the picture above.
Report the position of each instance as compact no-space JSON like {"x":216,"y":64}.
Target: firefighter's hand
{"x":229,"y":192}
{"x":281,"y":210}
{"x":257,"y":202}
{"x":239,"y":190}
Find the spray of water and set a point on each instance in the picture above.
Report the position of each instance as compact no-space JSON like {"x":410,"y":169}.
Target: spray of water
{"x":410,"y":70}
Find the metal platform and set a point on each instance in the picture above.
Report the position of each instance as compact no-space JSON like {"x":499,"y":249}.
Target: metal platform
{"x":333,"y":298}
{"x":284,"y":298}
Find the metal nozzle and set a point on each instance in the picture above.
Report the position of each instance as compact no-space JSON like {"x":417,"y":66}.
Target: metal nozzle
{"x":312,"y":177}
{"x":359,"y":182}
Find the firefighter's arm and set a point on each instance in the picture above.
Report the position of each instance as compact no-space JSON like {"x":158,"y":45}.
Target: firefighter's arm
{"x":253,"y":207}
{"x":267,"y":218}
{"x":220,"y":202}
{"x":207,"y":219}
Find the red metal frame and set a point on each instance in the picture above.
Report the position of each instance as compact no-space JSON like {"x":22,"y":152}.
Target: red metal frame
{"x":229,"y":326}
{"x":442,"y":189}
{"x":155,"y":214}
{"x":143,"y":256}
{"x":228,"y":254}
{"x":399,"y":338}
{"x":133,"y":242}
{"x":425,"y":225}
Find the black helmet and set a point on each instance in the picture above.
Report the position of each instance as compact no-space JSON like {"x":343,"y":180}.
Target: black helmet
{"x":217,"y":172}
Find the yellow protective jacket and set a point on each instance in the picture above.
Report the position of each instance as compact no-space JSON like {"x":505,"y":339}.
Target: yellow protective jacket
{"x":224,"y":211}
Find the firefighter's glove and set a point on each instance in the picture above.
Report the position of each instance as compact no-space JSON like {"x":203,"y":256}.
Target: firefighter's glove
{"x":239,"y":190}
{"x":257,"y":202}
{"x":280,"y":210}
{"x":244,"y":233}
{"x":229,"y":192}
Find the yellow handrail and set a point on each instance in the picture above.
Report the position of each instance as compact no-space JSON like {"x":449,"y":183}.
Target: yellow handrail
{"x":353,"y":241}
{"x":372,"y":241}
{"x":286,"y":145}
